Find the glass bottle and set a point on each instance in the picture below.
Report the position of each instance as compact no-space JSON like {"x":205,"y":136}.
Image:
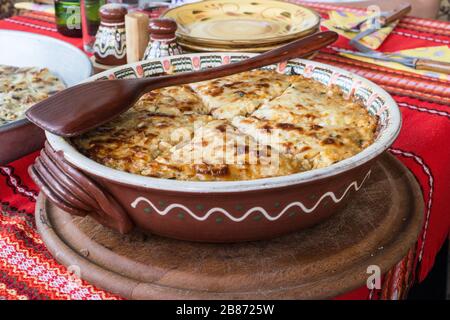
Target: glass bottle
{"x":90,"y":21}
{"x":68,"y":21}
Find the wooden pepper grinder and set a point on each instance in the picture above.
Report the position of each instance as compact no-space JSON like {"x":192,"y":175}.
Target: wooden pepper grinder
{"x":110,"y":42}
{"x":163,"y":41}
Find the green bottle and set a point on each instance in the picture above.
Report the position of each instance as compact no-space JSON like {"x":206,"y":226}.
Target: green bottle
{"x":68,"y":19}
{"x":91,"y":10}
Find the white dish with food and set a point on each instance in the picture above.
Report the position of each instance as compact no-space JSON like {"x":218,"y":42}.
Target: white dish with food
{"x":63,"y":60}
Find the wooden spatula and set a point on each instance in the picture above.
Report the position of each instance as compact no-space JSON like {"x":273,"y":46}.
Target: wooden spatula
{"x":85,"y":106}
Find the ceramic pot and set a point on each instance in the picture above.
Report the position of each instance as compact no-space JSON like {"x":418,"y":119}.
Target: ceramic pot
{"x":110,"y":42}
{"x":226,"y":211}
{"x":163,"y":41}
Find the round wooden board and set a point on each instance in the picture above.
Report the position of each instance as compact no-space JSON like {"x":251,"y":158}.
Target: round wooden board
{"x":377,"y":228}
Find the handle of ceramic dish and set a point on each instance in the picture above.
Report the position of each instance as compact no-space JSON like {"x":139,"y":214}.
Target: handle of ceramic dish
{"x":74,"y":192}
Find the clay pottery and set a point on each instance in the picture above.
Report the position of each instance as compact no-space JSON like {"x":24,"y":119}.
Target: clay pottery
{"x":226,"y":211}
{"x":21,"y":137}
{"x":375,"y":229}
{"x":110,"y":44}
{"x":163,"y":41}
{"x":244,"y":23}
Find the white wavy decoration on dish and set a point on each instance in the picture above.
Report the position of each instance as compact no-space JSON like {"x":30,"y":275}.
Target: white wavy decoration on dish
{"x":261,"y":210}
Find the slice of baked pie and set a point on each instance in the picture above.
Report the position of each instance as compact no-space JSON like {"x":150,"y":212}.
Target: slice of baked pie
{"x":312,"y":122}
{"x":218,"y":151}
{"x":21,"y":88}
{"x":130,"y":142}
{"x":312,"y":145}
{"x":308,"y":103}
{"x":171,"y":101}
{"x":240,"y":94}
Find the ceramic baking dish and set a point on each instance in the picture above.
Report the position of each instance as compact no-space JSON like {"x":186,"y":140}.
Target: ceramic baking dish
{"x":24,"y":49}
{"x":216,"y":211}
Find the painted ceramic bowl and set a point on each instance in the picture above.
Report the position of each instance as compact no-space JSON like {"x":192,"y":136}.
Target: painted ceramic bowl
{"x":215,"y":211}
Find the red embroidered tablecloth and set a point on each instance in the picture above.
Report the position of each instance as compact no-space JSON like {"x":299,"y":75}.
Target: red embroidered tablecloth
{"x":28,"y":271}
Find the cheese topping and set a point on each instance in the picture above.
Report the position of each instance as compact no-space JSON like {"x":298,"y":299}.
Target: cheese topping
{"x":240,"y":94}
{"x":309,"y":103}
{"x":21,"y":88}
{"x":171,"y":101}
{"x":218,"y":151}
{"x":207,"y":132}
{"x":133,"y":140}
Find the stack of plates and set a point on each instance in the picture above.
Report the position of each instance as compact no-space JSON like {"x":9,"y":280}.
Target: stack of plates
{"x":241,"y":25}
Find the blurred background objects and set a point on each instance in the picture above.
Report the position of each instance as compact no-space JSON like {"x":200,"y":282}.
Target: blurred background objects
{"x":420,"y":8}
{"x":431,"y":9}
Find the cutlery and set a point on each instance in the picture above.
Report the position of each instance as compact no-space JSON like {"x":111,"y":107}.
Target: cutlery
{"x":409,"y":61}
{"x":412,"y":62}
{"x":80,"y":108}
{"x":384,"y":18}
{"x":377,"y":23}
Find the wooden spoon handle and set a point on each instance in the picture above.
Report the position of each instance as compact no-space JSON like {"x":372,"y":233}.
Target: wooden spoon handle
{"x":396,"y":14}
{"x":295,"y":49}
{"x":88,"y":105}
{"x":433,"y":65}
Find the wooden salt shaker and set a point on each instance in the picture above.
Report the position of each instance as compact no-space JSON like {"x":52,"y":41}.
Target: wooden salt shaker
{"x":163,"y":41}
{"x":110,"y":42}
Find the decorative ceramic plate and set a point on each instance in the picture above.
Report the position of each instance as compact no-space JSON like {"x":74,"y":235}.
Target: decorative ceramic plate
{"x":242,"y":22}
{"x":201,"y":48}
{"x":193,"y":47}
{"x":189,"y":47}
{"x":196,"y":47}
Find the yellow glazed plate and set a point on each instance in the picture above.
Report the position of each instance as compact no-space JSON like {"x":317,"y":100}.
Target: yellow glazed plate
{"x":242,"y":22}
{"x":207,"y":48}
{"x":194,"y":48}
{"x":199,"y":48}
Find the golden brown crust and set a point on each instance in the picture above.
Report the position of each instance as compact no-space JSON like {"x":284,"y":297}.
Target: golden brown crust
{"x":310,"y":104}
{"x":240,"y":94}
{"x":218,"y":151}
{"x":282,"y":125}
{"x":313,"y":123}
{"x":20,"y":88}
{"x":313,"y":147}
{"x":133,"y":140}
{"x":172,"y":100}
